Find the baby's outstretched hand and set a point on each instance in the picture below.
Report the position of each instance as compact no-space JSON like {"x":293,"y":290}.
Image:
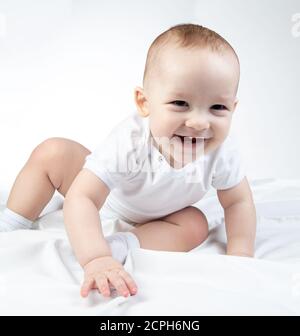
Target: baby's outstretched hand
{"x":99,"y":272}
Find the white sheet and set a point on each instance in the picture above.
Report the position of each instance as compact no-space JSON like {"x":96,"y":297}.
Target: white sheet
{"x":40,"y":276}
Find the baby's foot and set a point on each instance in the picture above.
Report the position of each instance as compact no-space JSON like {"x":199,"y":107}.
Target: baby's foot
{"x":120,"y":243}
{"x":10,"y":221}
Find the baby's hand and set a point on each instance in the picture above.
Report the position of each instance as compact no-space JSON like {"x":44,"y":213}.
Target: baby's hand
{"x":100,"y":271}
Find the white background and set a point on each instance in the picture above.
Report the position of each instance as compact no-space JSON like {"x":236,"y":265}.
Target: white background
{"x":68,"y":69}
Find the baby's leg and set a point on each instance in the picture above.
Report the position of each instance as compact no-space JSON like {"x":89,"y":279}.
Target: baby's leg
{"x":52,"y":165}
{"x":180,"y":231}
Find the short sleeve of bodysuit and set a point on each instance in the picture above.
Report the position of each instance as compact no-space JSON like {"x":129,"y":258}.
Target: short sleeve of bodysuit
{"x":230,"y":168}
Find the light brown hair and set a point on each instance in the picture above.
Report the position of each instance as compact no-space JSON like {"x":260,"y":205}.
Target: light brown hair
{"x":185,"y":36}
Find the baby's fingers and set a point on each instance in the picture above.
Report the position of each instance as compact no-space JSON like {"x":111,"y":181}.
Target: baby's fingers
{"x":86,"y":287}
{"x":102,"y":285}
{"x":119,"y":283}
{"x":129,"y":282}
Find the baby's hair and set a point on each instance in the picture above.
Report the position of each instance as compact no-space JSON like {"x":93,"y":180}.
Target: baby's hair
{"x":186,"y":36}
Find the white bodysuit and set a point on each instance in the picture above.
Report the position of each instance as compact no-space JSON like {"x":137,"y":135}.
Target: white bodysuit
{"x":143,"y":186}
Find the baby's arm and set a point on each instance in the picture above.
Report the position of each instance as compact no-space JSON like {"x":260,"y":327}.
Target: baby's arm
{"x":240,"y":219}
{"x":81,"y":208}
{"x":83,"y":200}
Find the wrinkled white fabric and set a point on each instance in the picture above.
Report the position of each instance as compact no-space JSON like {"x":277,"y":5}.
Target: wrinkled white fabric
{"x":39,"y":274}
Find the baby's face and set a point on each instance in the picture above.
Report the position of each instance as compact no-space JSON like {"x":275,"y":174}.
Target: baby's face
{"x":192,"y":93}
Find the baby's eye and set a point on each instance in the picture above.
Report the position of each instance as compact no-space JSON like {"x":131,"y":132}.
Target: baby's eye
{"x":219,"y":107}
{"x":180,"y":103}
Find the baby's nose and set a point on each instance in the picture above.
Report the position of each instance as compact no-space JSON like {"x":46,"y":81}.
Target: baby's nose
{"x":198,"y":123}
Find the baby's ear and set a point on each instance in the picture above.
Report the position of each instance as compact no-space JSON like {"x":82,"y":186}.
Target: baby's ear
{"x":141,"y":101}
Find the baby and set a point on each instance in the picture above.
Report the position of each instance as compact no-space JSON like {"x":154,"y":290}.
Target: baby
{"x":152,"y":167}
